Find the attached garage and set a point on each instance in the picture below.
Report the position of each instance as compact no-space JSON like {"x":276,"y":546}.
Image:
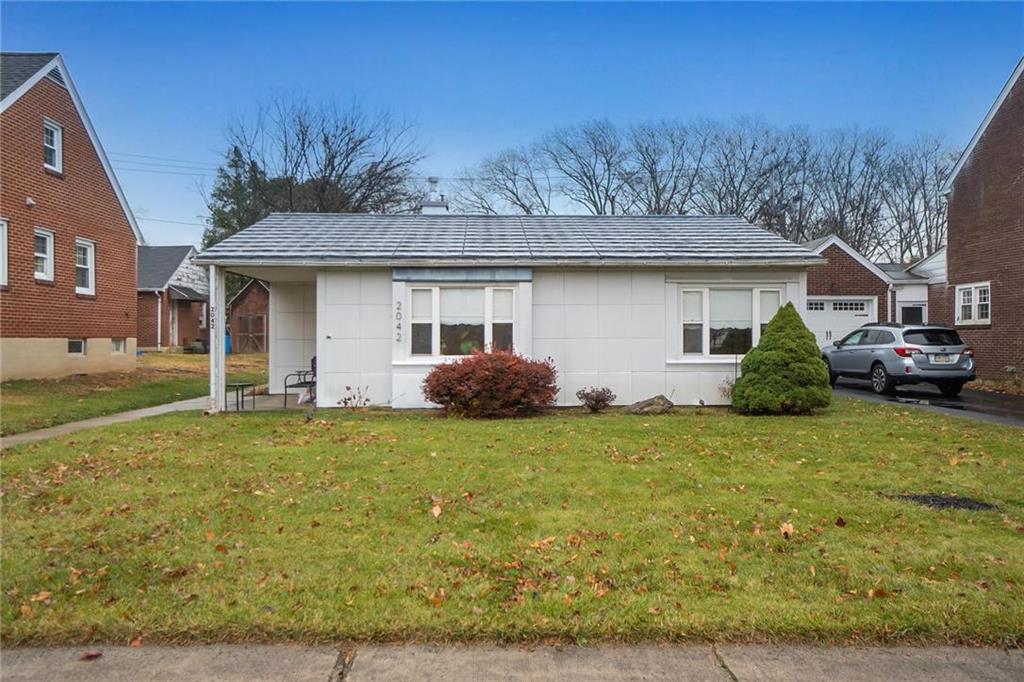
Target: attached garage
{"x":831,"y":318}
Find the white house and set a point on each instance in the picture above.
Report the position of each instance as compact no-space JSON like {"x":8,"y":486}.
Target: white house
{"x":644,"y":305}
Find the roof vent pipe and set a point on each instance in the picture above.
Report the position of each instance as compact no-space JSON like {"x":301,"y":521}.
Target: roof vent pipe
{"x":435,"y":202}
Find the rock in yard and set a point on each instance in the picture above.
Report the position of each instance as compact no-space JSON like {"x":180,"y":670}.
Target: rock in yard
{"x":659,"y":404}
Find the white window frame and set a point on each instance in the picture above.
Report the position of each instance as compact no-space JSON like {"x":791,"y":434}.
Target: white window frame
{"x":705,"y":292}
{"x":118,"y":340}
{"x":203,"y":315}
{"x":435,"y":322}
{"x":76,"y":353}
{"x":47,"y":274}
{"x":3,"y":252}
{"x":975,"y":289}
{"x":90,"y":247}
{"x":58,"y":145}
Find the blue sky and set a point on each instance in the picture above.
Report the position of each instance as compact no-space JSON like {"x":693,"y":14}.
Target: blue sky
{"x":164,"y":80}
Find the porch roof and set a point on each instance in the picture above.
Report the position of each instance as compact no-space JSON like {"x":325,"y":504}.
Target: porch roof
{"x":319,"y":239}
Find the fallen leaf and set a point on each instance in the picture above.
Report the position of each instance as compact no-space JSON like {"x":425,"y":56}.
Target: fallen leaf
{"x":221,"y":548}
{"x":26,"y":610}
{"x":436,"y":510}
{"x":787,"y":530}
{"x":42,"y":596}
{"x":840,"y":521}
{"x":90,"y":655}
{"x":436,"y":597}
{"x":135,"y":643}
{"x":210,"y":535}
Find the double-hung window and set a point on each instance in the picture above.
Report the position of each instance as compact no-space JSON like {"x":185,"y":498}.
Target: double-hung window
{"x":53,"y":146}
{"x":457,"y":320}
{"x":725,"y":321}
{"x":43,"y":251}
{"x":85,"y":267}
{"x":3,"y":253}
{"x":974,"y":303}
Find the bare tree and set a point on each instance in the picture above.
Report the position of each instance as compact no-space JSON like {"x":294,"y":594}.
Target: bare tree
{"x":515,"y":180}
{"x":589,"y":160}
{"x":327,"y":158}
{"x":736,"y":174}
{"x":663,"y":164}
{"x":916,"y":210}
{"x":850,"y":187}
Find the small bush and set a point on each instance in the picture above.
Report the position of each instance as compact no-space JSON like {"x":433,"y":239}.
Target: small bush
{"x":494,"y":384}
{"x":784,"y":374}
{"x":596,"y":399}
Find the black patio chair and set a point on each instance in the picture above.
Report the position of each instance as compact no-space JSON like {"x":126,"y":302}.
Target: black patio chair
{"x":304,"y":378}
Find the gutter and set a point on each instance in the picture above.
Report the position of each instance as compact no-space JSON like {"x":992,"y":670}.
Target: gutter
{"x":431,"y":262}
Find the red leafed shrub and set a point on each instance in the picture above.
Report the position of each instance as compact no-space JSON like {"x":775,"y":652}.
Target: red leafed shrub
{"x":495,"y":384}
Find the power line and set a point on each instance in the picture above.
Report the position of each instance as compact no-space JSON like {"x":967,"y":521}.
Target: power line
{"x":165,"y":220}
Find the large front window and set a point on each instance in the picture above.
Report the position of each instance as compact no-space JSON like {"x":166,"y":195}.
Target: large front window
{"x":725,"y":321}
{"x":459,"y":320}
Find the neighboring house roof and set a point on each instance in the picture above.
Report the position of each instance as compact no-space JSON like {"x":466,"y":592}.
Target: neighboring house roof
{"x":349,"y":238}
{"x":897,"y":271}
{"x":183,"y":293}
{"x":252,"y":282}
{"x":18,"y":77}
{"x":157,"y":264}
{"x":932,"y":267}
{"x":887,"y":272}
{"x":1003,"y":94}
{"x":18,"y":67}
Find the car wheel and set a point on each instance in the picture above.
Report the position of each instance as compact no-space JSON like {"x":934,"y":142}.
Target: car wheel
{"x":951,"y":389}
{"x":881,"y":382}
{"x":832,"y":376}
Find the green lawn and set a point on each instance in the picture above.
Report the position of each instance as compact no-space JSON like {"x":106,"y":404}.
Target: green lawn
{"x":161,"y":378}
{"x":395,"y":526}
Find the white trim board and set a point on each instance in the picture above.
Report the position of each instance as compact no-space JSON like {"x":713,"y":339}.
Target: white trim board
{"x":834,"y":240}
{"x":58,"y":63}
{"x":1003,"y":94}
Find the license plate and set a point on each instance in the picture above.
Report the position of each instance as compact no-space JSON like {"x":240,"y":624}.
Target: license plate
{"x":942,"y":359}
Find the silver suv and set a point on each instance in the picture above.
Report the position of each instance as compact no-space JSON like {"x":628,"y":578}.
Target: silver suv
{"x":892,"y":354}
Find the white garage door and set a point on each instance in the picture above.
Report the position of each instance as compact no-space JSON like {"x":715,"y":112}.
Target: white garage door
{"x":833,"y":318}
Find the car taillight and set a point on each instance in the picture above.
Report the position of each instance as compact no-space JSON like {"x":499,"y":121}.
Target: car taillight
{"x":969,"y":352}
{"x":907,"y":351}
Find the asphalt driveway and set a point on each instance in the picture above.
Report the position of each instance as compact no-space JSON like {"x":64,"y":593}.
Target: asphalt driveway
{"x":980,"y":405}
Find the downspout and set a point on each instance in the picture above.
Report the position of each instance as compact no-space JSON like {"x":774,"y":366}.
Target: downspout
{"x":892,"y":301}
{"x":159,"y":318}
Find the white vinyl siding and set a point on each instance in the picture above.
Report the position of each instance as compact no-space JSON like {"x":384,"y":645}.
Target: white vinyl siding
{"x":53,"y":146}
{"x":974,"y":303}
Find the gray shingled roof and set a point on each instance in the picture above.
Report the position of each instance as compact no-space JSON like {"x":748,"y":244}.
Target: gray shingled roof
{"x":897,"y":271}
{"x":363,"y":238}
{"x":18,"y":67}
{"x":157,"y":265}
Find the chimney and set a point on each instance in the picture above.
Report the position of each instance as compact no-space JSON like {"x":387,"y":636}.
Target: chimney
{"x":435,"y":203}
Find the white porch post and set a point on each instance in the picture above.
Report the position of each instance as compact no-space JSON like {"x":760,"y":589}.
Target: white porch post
{"x":218,"y":330}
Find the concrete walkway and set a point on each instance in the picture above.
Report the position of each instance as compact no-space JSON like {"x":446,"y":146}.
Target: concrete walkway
{"x":64,"y":429}
{"x":399,"y":663}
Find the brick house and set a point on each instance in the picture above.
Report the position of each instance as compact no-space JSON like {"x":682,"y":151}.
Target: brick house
{"x":850,"y":290}
{"x":983,"y":295}
{"x":173,"y":298}
{"x":248,"y":318}
{"x":67,"y":234}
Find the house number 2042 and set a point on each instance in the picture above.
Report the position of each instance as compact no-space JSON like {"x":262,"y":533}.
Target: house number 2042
{"x":398,"y":321}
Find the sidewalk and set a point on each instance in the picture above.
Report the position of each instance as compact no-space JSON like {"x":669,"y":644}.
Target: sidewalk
{"x":400,"y":663}
{"x":200,"y":403}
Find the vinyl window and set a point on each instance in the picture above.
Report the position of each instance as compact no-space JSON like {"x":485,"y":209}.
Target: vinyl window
{"x":85,"y":267}
{"x":974,"y":303}
{"x":724,"y":321}
{"x":3,"y":253}
{"x":53,"y":146}
{"x":43,"y":253}
{"x":117,"y":346}
{"x":457,"y":320}
{"x":76,"y":346}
